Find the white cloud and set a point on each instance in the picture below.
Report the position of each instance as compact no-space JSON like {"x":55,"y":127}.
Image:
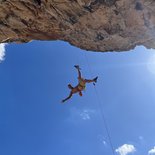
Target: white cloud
{"x":102,"y":140}
{"x":125,"y":149}
{"x":2,"y":51}
{"x":86,"y":114}
{"x":152,"y":151}
{"x":79,"y":115}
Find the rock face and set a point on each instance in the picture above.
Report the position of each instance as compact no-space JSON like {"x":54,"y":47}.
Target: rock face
{"x":98,"y":25}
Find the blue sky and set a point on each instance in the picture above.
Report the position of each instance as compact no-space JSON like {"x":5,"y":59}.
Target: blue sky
{"x":34,"y":79}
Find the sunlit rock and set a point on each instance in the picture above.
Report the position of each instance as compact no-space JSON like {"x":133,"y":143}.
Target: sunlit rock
{"x":97,"y":25}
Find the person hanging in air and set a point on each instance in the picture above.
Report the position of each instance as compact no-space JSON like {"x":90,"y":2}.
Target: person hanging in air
{"x":81,"y":85}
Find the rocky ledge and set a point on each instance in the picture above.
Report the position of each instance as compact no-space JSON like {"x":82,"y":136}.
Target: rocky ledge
{"x":96,"y":25}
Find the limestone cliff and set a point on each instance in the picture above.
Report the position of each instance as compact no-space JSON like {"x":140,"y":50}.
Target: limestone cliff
{"x":98,"y":25}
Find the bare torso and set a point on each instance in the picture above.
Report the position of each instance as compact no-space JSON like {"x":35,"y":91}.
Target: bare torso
{"x":80,"y":86}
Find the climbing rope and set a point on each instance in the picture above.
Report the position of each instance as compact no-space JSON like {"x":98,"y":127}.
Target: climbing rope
{"x":101,"y":108}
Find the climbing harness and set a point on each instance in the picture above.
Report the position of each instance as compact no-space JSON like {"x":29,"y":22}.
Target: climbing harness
{"x":82,"y":85}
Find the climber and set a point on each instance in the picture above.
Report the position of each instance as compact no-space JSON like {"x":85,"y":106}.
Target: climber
{"x":81,"y":85}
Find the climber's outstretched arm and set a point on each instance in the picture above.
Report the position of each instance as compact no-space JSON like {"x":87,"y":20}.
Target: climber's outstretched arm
{"x":70,"y":95}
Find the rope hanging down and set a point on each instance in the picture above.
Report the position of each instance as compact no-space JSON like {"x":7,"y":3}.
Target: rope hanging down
{"x":101,"y":109}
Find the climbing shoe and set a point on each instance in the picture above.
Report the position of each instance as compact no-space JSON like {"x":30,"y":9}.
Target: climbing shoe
{"x":95,"y":79}
{"x":77,"y":67}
